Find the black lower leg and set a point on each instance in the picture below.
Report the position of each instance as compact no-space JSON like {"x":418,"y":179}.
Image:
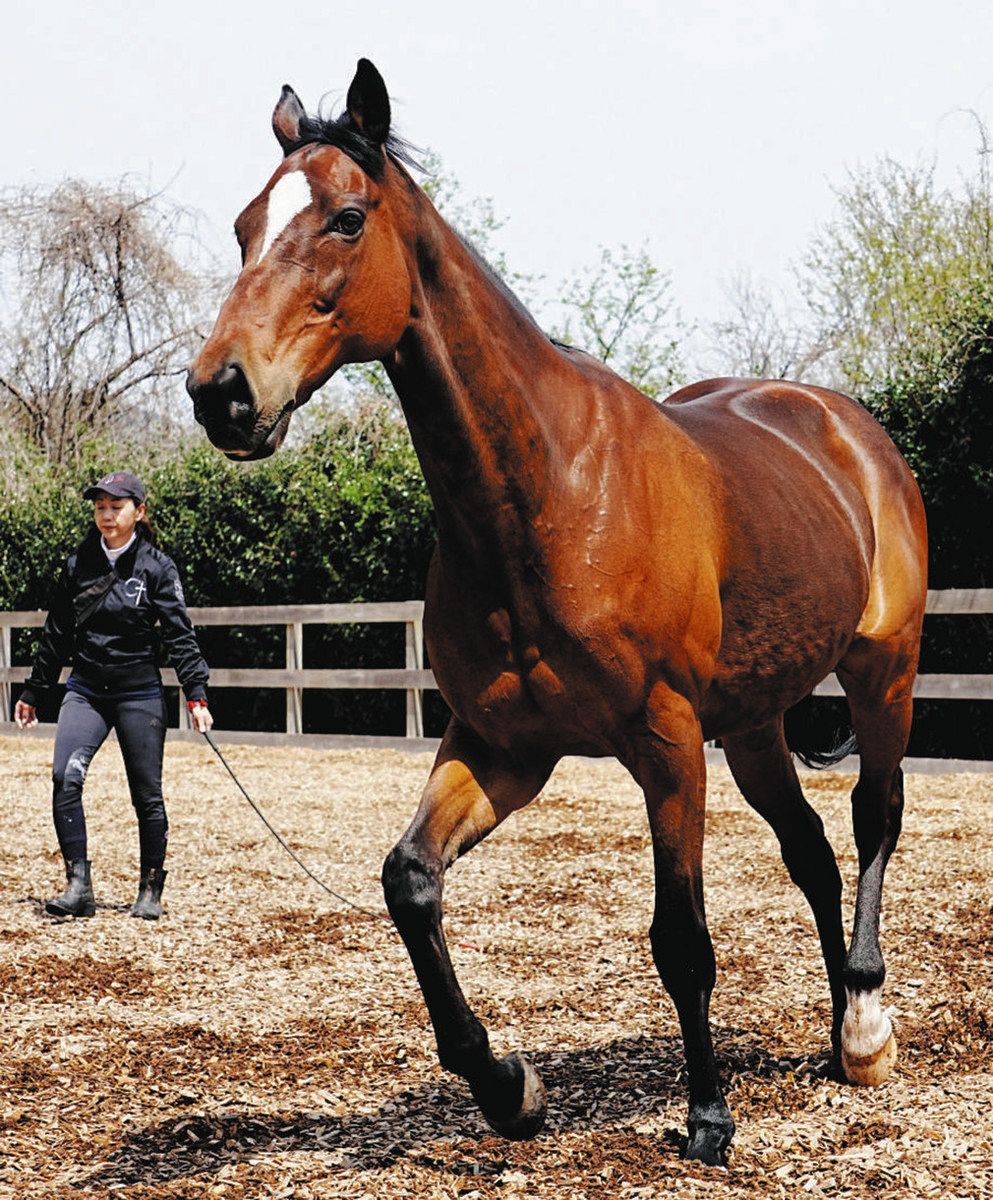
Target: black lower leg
{"x":413,"y":890}
{"x":764,"y":771}
{"x":684,"y":957}
{"x":877,"y":818}
{"x":812,"y":866}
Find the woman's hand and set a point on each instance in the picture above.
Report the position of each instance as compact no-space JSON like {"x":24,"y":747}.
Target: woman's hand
{"x":26,"y":715}
{"x":202,"y":720}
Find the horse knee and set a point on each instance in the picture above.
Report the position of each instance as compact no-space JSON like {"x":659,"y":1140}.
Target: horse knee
{"x":412,"y":888}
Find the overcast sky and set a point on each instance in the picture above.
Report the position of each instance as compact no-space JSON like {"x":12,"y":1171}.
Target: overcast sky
{"x":714,"y":131}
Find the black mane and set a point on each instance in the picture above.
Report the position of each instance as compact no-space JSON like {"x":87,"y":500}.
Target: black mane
{"x":342,"y":133}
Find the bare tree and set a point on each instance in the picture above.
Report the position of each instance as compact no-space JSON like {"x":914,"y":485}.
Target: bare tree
{"x":758,"y":336}
{"x":97,"y":312}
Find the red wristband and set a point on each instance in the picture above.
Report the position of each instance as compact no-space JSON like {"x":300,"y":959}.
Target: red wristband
{"x":192,"y":704}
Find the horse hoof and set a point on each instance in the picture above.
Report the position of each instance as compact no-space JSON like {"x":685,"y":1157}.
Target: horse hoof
{"x":530,"y":1117}
{"x":870,"y":1070}
{"x":868,"y":1047}
{"x":709,"y":1139}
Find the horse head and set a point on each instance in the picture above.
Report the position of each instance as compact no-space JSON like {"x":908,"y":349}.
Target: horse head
{"x":325,"y":277}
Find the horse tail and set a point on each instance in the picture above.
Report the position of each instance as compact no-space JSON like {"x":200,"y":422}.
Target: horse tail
{"x":809,"y":733}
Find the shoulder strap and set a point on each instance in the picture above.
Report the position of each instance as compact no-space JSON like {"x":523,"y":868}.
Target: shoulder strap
{"x":90,"y":599}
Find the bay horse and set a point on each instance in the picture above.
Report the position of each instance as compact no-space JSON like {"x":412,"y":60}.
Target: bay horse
{"x":613,"y":576}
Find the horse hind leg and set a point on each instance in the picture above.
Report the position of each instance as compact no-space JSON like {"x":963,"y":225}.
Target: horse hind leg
{"x":763,"y":769}
{"x":471,"y":789}
{"x":878,"y":680}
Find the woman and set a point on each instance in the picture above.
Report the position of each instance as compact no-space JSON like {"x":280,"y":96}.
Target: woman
{"x":113,"y":590}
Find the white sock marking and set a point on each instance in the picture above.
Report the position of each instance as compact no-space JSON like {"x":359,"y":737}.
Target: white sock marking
{"x":866,"y":1028}
{"x":289,"y":196}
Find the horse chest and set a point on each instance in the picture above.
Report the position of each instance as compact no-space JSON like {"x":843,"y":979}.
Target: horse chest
{"x":509,"y":685}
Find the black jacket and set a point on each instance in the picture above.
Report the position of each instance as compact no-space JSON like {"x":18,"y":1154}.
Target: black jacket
{"x":103,"y":620}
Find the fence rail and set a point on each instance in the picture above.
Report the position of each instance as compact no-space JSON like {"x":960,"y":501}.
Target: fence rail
{"x":412,"y":677}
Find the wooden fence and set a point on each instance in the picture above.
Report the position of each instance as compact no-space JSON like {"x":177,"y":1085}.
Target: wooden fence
{"x":412,"y":678}
{"x":294,"y":677}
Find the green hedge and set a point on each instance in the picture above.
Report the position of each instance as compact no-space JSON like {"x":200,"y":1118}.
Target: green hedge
{"x":345,"y":517}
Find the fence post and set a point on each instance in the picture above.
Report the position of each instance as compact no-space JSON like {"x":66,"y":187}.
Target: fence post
{"x":413,"y":661}
{"x":5,"y":662}
{"x":294,"y":662}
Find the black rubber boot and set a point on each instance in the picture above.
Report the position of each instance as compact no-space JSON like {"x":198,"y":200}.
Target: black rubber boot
{"x":77,"y":900}
{"x":148,"y":906}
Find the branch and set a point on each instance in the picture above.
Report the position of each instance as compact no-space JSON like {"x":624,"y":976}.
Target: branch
{"x":16,"y":393}
{"x":152,"y":374}
{"x":139,"y":355}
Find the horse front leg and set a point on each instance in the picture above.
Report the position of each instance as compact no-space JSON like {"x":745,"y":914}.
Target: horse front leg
{"x":471,"y":789}
{"x":672,"y":772}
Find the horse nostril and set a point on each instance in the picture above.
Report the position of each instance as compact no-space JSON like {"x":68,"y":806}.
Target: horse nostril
{"x":230,"y":387}
{"x":227,"y":376}
{"x":224,"y":402}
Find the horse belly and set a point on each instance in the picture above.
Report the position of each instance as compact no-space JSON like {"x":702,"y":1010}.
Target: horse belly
{"x":778,"y":644}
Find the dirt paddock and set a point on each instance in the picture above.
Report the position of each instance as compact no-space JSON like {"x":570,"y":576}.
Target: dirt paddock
{"x":261,"y":1041}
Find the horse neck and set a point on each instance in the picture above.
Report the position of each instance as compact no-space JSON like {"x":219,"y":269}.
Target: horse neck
{"x":478,"y":382}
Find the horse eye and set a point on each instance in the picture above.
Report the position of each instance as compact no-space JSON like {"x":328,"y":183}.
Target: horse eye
{"x":348,"y":222}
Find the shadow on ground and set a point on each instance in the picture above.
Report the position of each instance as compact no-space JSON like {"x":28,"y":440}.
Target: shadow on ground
{"x":595,"y":1089}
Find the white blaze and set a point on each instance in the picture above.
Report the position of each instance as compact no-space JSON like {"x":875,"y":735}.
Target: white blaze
{"x":289,"y":196}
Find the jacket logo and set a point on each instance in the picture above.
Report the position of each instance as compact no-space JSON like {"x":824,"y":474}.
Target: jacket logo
{"x":134,"y":589}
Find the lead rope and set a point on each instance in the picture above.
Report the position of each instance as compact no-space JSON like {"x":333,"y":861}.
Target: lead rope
{"x":289,"y":850}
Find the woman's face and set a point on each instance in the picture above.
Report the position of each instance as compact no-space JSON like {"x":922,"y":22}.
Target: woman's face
{"x":116,"y":518}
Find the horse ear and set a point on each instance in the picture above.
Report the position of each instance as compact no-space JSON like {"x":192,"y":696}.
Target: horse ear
{"x":286,"y":118}
{"x":368,"y":102}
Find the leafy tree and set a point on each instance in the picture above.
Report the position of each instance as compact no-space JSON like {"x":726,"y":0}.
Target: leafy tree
{"x":621,"y":311}
{"x":946,"y":435}
{"x":900,"y":281}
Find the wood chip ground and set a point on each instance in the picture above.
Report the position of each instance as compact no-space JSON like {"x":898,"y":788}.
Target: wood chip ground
{"x":262,"y":1041}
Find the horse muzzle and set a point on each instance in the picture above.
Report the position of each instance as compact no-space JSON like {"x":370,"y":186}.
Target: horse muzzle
{"x":226,"y":407}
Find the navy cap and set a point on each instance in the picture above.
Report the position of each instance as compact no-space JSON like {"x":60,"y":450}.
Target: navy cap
{"x":118,"y":483}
